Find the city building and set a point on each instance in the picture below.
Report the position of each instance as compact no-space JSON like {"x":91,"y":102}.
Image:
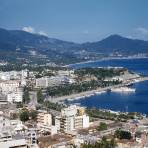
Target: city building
{"x":9,"y":141}
{"x":53,"y":81}
{"x":13,"y":75}
{"x":72,"y":118}
{"x":44,"y":119}
{"x":15,"y":97}
{"x":42,"y":82}
{"x":9,"y":86}
{"x":32,"y":137}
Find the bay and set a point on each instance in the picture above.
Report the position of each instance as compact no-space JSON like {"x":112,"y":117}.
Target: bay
{"x":131,"y":102}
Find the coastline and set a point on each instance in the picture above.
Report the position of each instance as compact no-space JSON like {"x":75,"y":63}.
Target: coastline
{"x":105,"y":59}
{"x":96,"y":91}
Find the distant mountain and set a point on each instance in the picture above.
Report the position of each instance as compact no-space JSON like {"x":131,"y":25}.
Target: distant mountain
{"x":18,"y":38}
{"x":24,"y":47}
{"x":21,"y":44}
{"x":117,"y":43}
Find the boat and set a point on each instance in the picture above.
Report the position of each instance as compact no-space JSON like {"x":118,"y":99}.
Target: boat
{"x":123,"y":89}
{"x":99,"y":92}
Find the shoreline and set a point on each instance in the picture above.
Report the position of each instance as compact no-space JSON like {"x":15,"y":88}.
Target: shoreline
{"x":98,"y":91}
{"x":104,"y":59}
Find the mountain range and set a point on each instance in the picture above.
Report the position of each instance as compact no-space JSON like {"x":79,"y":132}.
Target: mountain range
{"x":25,"y":47}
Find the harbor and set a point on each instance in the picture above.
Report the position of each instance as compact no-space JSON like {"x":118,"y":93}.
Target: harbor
{"x":97,"y":91}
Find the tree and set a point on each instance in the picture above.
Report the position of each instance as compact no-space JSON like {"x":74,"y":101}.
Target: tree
{"x":40,"y":97}
{"x":102,"y":126}
{"x":113,"y":143}
{"x":24,"y":115}
{"x":26,"y":97}
{"x":122,"y":134}
{"x":33,"y":114}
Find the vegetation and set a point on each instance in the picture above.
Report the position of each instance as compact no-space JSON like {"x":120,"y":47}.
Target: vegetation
{"x":96,"y":113}
{"x":39,"y":75}
{"x":24,"y":115}
{"x":100,"y":73}
{"x":33,"y":114}
{"x":102,"y":126}
{"x":120,"y":134}
{"x":19,"y":104}
{"x":104,"y":143}
{"x":19,"y":67}
{"x":87,"y":79}
{"x":69,"y":89}
{"x":104,"y":114}
{"x":54,"y":106}
{"x":26,"y":97}
{"x":40,"y":97}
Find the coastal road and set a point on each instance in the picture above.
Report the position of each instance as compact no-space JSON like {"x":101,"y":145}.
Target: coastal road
{"x":99,"y":90}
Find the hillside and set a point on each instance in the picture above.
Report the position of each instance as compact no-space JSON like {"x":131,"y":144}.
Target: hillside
{"x":23,"y":47}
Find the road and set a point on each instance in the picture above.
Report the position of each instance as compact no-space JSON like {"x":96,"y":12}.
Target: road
{"x":99,"y":90}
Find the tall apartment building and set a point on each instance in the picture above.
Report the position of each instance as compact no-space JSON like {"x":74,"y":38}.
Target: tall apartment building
{"x":72,"y":118}
{"x":9,"y":86}
{"x":44,"y":119}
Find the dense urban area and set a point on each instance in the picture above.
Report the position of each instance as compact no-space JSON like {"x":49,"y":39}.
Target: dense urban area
{"x":33,"y":112}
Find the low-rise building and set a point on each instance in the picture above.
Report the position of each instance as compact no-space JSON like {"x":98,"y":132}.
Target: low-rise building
{"x":9,"y":141}
{"x":53,"y":81}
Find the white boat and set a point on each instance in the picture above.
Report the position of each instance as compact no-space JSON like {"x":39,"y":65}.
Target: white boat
{"x":136,"y":80}
{"x":123,"y":89}
{"x":99,"y":92}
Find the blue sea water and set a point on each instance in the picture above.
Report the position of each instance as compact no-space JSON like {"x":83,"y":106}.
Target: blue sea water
{"x":132,"y":102}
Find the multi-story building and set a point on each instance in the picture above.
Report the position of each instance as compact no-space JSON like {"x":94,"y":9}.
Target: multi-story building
{"x":9,"y":86}
{"x":44,"y":119}
{"x":72,"y":118}
{"x":53,"y":81}
{"x":14,"y":75}
{"x":15,"y":96}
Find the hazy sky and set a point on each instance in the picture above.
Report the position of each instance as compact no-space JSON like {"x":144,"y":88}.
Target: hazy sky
{"x":77,"y":20}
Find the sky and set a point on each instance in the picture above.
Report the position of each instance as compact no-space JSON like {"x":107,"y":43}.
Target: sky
{"x":77,"y":20}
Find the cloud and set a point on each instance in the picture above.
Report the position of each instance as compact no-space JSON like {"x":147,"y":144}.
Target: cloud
{"x":29,"y":29}
{"x":42,"y":33}
{"x":32,"y":30}
{"x":142,"y":30}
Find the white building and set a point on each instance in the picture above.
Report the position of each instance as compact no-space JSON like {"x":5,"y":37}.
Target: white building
{"x":53,"y":130}
{"x":72,"y":118}
{"x":16,"y":96}
{"x":24,"y":73}
{"x":53,"y":81}
{"x":42,"y":82}
{"x":14,"y":75}
{"x":44,"y":119}
{"x":6,"y":141}
{"x":32,"y":136}
{"x":9,"y":86}
{"x":4,"y":122}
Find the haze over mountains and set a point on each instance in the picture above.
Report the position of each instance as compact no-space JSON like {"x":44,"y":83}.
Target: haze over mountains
{"x":21,"y":46}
